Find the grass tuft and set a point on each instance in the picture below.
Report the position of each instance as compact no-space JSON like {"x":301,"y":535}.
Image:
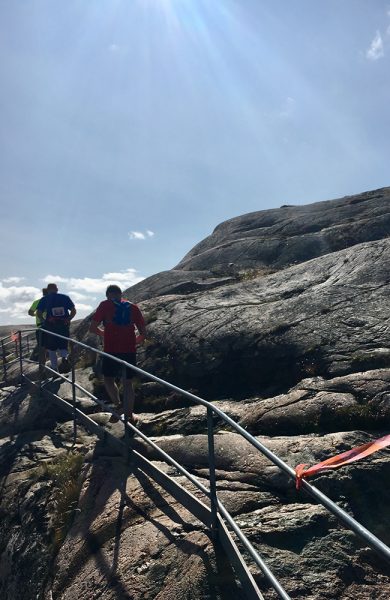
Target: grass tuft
{"x":64,"y":473}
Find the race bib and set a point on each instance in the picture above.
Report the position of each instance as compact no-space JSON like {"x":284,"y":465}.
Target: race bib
{"x":58,"y":311}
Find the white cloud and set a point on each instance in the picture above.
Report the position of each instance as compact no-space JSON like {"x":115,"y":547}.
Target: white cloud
{"x":15,"y":302}
{"x":136,"y":235}
{"x":376,"y":49}
{"x":79,"y":286}
{"x":77,"y":297}
{"x":18,"y":312}
{"x":14,"y":293}
{"x":86,"y":293}
{"x":54,"y":279}
{"x":139,"y":235}
{"x":80,"y":307}
{"x":127,"y":275}
{"x":89,"y":285}
{"x":13,"y":279}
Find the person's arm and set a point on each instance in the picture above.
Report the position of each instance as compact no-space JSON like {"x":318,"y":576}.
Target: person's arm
{"x":97,"y":318}
{"x":41,"y":308}
{"x":94,"y":328}
{"x":141,"y":327}
{"x":33,"y":308}
{"x":141,"y":337}
{"x":70,"y":307}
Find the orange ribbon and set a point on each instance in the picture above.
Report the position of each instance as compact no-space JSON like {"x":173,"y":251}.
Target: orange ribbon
{"x":344,"y":458}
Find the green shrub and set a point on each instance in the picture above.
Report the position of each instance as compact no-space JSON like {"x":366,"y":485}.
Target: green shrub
{"x":254,"y":273}
{"x":64,"y":473}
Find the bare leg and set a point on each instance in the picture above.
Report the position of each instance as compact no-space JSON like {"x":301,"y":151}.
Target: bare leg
{"x":53,"y":359}
{"x":112,"y":390}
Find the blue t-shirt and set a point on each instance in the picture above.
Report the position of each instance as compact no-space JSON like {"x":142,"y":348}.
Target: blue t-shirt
{"x":57,"y":306}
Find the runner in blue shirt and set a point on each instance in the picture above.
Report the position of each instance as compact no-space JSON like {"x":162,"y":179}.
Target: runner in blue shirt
{"x":59,"y":310}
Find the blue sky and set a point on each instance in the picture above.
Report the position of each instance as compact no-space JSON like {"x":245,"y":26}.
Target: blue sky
{"x":130,"y":128}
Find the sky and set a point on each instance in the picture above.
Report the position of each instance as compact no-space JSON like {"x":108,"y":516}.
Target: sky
{"x":129,"y":129}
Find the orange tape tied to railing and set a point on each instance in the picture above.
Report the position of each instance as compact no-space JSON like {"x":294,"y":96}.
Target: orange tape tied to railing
{"x":344,"y":458}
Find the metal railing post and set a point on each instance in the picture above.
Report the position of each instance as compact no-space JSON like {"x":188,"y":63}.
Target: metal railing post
{"x":213,"y":482}
{"x":41,"y":360}
{"x":4,"y":362}
{"x":126,"y":403}
{"x":20,"y":355}
{"x":73,"y":377}
{"x":126,"y":411}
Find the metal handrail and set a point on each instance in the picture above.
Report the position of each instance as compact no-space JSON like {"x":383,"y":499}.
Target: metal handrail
{"x":253,"y":590}
{"x":342,"y":515}
{"x":346,"y":519}
{"x":6,"y":353}
{"x":9,"y":336}
{"x":222,"y":509}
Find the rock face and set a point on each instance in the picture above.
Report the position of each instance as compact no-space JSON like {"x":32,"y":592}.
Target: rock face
{"x":282,"y":237}
{"x":281,"y":318}
{"x":126,"y":537}
{"x":327,"y":316}
{"x":316,"y":405}
{"x":272,"y":297}
{"x":271,"y":240}
{"x":130,"y":540}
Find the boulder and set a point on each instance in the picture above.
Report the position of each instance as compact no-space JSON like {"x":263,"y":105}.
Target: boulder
{"x":281,"y":237}
{"x":324,"y":317}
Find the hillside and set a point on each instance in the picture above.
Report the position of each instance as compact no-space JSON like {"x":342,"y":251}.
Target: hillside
{"x":281,"y":318}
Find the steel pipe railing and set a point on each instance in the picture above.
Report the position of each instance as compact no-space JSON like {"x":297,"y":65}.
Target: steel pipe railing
{"x":216,"y":505}
{"x":339,"y":513}
{"x":211,"y":493}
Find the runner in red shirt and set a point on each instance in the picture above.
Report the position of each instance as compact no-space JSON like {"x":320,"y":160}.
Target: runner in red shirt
{"x":118,"y":317}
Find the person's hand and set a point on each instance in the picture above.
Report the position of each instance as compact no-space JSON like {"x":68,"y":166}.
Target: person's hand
{"x":139,"y":339}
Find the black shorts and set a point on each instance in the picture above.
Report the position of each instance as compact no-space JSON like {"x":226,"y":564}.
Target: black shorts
{"x":52,"y":342}
{"x":111,"y":368}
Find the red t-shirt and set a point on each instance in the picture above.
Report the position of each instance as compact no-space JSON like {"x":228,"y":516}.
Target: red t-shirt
{"x":118,"y":338}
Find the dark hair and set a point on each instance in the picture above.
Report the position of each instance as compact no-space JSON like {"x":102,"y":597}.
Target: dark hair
{"x":44,"y":291}
{"x":52,"y":286}
{"x":114,"y":289}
